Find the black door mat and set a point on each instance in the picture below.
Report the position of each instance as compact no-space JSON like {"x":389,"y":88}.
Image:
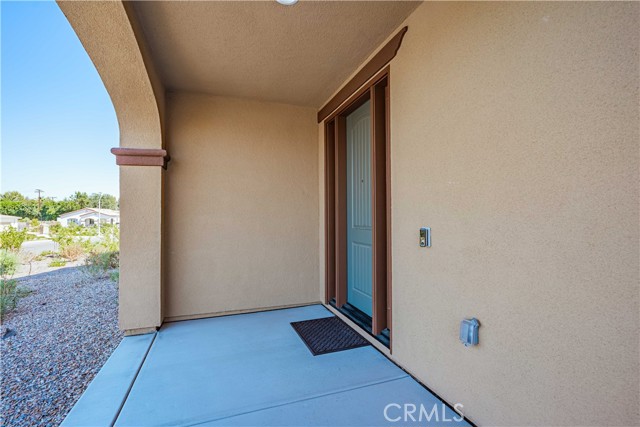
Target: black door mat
{"x":328,"y":335}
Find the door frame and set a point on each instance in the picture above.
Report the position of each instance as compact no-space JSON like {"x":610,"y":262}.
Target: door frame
{"x":376,"y":90}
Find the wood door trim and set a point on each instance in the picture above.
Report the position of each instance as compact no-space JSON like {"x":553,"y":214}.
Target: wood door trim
{"x":377,"y":90}
{"x":379,"y":205}
{"x":359,"y":97}
{"x":380,"y":59}
{"x":387,"y":101}
{"x":341,"y":210}
{"x":330,"y":209}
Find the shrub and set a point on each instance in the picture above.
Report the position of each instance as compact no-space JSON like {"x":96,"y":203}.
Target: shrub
{"x":63,"y":236}
{"x":73,"y":251}
{"x":89,"y":246}
{"x":8,"y":263}
{"x":115,"y":276}
{"x":28,"y":258}
{"x":99,"y":264}
{"x":72,"y":242}
{"x":57,"y":263}
{"x":11,"y":239}
{"x":110,"y":239}
{"x":9,"y":295}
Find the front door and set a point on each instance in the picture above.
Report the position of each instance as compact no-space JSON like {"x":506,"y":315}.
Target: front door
{"x":359,"y":230}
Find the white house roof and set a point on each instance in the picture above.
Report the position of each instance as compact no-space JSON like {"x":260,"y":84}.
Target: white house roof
{"x":87,"y":211}
{"x":102,"y":212}
{"x":8,"y":219}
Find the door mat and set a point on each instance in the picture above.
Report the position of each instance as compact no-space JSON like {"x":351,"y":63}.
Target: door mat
{"x":328,"y":335}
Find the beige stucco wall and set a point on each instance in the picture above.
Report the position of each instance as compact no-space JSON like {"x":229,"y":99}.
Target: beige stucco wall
{"x":515,"y":137}
{"x":241,"y":205}
{"x":140,"y":248}
{"x":112,"y":40}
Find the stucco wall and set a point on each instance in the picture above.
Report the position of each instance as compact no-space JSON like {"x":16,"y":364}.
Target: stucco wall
{"x":515,"y":137}
{"x":126,"y":69}
{"x":241,"y":208}
{"x":139,"y":290}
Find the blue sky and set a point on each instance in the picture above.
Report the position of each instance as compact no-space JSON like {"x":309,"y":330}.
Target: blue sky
{"x":57,"y":121}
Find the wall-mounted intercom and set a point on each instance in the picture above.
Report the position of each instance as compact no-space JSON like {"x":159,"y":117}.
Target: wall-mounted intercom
{"x":425,"y":237}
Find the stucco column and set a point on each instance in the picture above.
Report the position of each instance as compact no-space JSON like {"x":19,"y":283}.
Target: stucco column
{"x":113,"y":41}
{"x":140,"y":289}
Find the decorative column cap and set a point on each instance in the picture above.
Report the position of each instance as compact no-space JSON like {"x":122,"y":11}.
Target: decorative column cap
{"x":141,"y":157}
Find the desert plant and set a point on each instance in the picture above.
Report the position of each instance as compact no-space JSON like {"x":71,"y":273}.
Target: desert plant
{"x":72,"y":251}
{"x":110,"y":239}
{"x":10,"y":293}
{"x":9,"y":290}
{"x":44,"y":254}
{"x":72,"y":243}
{"x":115,"y":276}
{"x":8,"y":296}
{"x":99,"y":264}
{"x":8,"y":263}
{"x":28,"y":258}
{"x":63,"y":235}
{"x":89,"y":246}
{"x":57,"y":263}
{"x":11,"y":239}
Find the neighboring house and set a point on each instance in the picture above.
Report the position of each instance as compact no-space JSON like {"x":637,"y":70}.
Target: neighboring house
{"x":9,"y":221}
{"x":90,"y":216}
{"x":312,"y":144}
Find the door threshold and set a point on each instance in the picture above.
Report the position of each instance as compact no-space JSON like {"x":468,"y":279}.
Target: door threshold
{"x":363,"y":320}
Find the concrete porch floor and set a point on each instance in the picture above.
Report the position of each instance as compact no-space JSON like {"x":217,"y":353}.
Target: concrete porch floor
{"x":249,"y":370}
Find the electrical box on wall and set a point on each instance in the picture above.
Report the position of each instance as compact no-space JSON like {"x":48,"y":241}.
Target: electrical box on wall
{"x":469,"y":332}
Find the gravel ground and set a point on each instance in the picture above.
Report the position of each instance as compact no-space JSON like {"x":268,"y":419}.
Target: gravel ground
{"x":64,"y":332}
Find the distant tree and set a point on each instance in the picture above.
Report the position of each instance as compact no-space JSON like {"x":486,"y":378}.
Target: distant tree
{"x":12,"y":196}
{"x":25,"y":209}
{"x":65,"y":206}
{"x":15,"y":204}
{"x":51,"y":209}
{"x":29,"y":209}
{"x":108,"y":201}
{"x":81,"y":200}
{"x":9,"y":207}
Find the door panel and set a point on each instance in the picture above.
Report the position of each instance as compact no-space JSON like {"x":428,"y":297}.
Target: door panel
{"x":359,"y":230}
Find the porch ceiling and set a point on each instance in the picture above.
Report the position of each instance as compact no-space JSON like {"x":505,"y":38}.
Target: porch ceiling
{"x":262,"y":50}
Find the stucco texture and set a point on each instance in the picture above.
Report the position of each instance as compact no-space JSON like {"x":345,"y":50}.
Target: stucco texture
{"x":241,"y":205}
{"x":515,"y":138}
{"x":122,"y":60}
{"x":140,"y":248}
{"x":263,"y":50}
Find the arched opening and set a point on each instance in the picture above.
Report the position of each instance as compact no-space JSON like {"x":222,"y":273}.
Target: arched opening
{"x":59,"y":205}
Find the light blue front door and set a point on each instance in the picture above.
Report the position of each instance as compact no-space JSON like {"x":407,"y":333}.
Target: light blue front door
{"x":359,"y":254}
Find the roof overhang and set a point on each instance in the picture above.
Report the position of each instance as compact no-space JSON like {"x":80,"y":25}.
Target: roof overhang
{"x":263,"y":50}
